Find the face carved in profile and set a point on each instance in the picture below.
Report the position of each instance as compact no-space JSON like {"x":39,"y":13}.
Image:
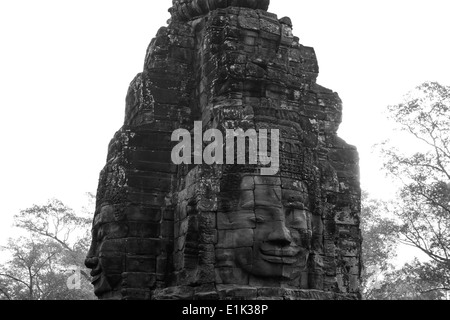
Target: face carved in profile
{"x":277,"y":222}
{"x":104,"y":256}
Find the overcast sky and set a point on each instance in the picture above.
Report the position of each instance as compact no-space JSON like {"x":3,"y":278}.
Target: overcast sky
{"x":65,"y":67}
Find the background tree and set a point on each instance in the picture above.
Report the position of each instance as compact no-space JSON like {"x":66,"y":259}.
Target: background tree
{"x":379,"y":244}
{"x":60,"y":224}
{"x":423,"y":205}
{"x":414,"y":281}
{"x":55,"y":247}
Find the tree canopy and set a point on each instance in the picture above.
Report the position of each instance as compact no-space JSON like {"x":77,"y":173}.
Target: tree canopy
{"x":421,"y":211}
{"x":53,"y":248}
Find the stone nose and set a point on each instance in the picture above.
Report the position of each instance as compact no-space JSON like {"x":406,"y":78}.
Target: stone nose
{"x":91,"y":262}
{"x":280,"y":235}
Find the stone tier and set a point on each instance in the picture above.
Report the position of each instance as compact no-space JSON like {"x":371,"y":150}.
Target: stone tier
{"x":236,"y":292}
{"x":191,"y":9}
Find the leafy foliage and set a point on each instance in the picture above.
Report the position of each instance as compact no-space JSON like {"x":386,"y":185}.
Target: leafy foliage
{"x":379,"y":243}
{"x":42,"y":262}
{"x":423,"y":205}
{"x":414,"y":281}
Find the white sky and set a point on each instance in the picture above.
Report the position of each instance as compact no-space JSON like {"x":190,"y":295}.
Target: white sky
{"x":65,"y":67}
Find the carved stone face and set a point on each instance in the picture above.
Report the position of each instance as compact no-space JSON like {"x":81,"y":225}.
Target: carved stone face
{"x":104,"y":256}
{"x":280,"y":233}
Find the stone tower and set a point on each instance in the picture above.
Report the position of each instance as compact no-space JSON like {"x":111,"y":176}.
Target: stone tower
{"x":226,"y":231}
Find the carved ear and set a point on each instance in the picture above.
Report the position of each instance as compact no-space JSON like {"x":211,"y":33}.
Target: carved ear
{"x":191,"y":250}
{"x":315,"y":272}
{"x":191,"y":208}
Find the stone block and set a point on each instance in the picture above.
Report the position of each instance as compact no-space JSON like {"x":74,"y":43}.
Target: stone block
{"x":249,"y":23}
{"x":237,"y":292}
{"x":138,"y":280}
{"x":136,"y":294}
{"x":143,"y":214}
{"x":235,"y":238}
{"x":146,"y":264}
{"x":329,"y":266}
{"x":234,"y":276}
{"x":236,"y":220}
{"x":137,"y":246}
{"x":112,"y":263}
{"x":113,"y":245}
{"x":144,"y":230}
{"x":115,"y":230}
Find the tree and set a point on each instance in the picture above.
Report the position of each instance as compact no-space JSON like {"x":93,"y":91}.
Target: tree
{"x":379,"y":244}
{"x":60,"y":224}
{"x":42,"y":262}
{"x":423,"y":205}
{"x":414,"y":281}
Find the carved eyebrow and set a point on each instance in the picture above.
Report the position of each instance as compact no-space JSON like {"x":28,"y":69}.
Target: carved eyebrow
{"x":267,"y":204}
{"x":257,"y":219}
{"x":295,"y":205}
{"x":298,"y":225}
{"x":248,"y":205}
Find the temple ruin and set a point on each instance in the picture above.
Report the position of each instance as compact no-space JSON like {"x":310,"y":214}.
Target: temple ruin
{"x":225,"y":231}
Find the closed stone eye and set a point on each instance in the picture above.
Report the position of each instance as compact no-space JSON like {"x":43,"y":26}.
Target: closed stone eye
{"x":257,"y":219}
{"x":296,"y":224}
{"x":100,"y":234}
{"x":295,"y":221}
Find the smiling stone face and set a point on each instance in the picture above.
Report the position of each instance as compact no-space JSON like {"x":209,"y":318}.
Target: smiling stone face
{"x":105,"y":256}
{"x":269,"y":234}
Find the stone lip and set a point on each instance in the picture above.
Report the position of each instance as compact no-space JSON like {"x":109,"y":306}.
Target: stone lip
{"x":190,"y":9}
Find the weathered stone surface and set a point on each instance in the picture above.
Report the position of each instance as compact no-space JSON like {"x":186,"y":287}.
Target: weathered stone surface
{"x":226,"y":231}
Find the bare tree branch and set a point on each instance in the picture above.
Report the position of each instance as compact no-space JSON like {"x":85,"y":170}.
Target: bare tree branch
{"x":15,"y":279}
{"x":5,"y":294}
{"x":435,"y":289}
{"x":43,"y":263}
